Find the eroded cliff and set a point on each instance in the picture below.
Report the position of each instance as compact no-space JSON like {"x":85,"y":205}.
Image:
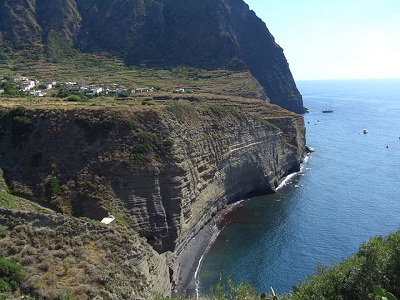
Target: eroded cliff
{"x":163,"y":171}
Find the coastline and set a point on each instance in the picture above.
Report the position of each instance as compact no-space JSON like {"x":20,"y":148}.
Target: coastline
{"x":191,"y":257}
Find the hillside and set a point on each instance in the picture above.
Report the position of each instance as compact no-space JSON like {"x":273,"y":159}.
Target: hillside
{"x":208,"y":34}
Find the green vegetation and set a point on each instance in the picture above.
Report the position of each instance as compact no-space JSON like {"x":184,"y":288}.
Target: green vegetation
{"x":9,"y":89}
{"x":51,"y":188}
{"x":232,"y":291}
{"x":376,"y":263}
{"x":74,"y":98}
{"x":149,"y":144}
{"x":7,"y":200}
{"x":269,"y":124}
{"x":10,"y":275}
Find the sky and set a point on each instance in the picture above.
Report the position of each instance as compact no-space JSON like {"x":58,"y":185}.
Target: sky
{"x":337,"y":39}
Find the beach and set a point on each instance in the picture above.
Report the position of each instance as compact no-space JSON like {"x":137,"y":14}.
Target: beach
{"x":189,"y":259}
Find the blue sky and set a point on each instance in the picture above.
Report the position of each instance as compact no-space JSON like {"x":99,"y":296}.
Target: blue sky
{"x":335,"y":39}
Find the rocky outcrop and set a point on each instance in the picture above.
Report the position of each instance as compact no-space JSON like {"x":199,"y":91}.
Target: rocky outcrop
{"x":206,"y":34}
{"x":66,"y":256}
{"x":163,"y":172}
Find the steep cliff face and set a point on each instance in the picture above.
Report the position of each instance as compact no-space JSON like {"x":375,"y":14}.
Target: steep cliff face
{"x":164,"y":172}
{"x":206,"y":34}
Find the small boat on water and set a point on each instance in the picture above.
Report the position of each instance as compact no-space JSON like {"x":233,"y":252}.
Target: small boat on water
{"x":328,"y":109}
{"x":365,"y":131}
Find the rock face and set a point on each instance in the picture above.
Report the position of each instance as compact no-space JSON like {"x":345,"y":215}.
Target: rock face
{"x":206,"y":34}
{"x":163,"y":172}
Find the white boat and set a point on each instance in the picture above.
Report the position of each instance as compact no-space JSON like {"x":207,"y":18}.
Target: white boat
{"x":328,"y":109}
{"x":365,"y":131}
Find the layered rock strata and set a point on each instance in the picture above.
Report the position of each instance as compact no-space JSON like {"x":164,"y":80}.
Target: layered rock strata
{"x":163,"y":171}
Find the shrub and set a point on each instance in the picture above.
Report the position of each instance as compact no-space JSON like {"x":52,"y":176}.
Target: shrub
{"x":376,"y":263}
{"x":74,"y":98}
{"x":10,"y":275}
{"x":52,"y":188}
{"x":232,"y":291}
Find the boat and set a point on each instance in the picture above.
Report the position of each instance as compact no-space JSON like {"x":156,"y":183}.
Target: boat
{"x":365,"y":131}
{"x":328,"y":109}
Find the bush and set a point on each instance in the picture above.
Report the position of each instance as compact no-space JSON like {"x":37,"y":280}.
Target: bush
{"x":74,"y":98}
{"x":52,"y":188}
{"x":10,"y":275}
{"x":376,"y":263}
{"x":231,"y":291}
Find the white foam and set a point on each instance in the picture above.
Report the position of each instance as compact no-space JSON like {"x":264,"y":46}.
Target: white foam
{"x":288,"y":178}
{"x":216,"y":232}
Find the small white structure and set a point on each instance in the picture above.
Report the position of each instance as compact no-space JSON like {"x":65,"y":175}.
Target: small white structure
{"x":143,"y":90}
{"x":180,"y":90}
{"x":1,"y":91}
{"x":50,"y":85}
{"x":95,"y":91}
{"x":110,"y":220}
{"x":27,"y":85}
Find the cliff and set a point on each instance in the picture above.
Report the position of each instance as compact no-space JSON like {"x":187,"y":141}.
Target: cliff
{"x":163,"y":172}
{"x":205,"y":34}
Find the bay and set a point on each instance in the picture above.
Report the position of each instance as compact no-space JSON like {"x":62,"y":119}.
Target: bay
{"x":346,"y":193}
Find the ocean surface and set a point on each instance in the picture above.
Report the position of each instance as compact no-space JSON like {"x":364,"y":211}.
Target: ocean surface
{"x":348,"y":191}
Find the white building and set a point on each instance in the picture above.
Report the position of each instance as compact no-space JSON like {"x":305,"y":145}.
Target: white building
{"x":110,"y":220}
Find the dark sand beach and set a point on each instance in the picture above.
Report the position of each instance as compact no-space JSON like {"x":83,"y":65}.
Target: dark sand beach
{"x":190,"y":257}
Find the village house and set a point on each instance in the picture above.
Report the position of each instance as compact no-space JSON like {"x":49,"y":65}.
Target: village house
{"x":143,"y":90}
{"x":95,"y":91}
{"x":50,"y":85}
{"x":37,"y":93}
{"x":1,"y":91}
{"x":124,"y":92}
{"x":180,"y":90}
{"x":25,"y":84}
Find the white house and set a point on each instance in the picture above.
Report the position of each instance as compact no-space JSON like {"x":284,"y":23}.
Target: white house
{"x":26,"y":85}
{"x":110,"y":220}
{"x":180,"y":90}
{"x":95,"y":91}
{"x":143,"y":90}
{"x":1,"y":91}
{"x":50,"y":85}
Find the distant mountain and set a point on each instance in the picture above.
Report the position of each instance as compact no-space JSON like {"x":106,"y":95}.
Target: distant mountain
{"x":207,"y":34}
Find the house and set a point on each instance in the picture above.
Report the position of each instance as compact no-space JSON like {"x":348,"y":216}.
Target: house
{"x":123,"y":92}
{"x":37,"y":93}
{"x":95,"y":91}
{"x":83,"y":89}
{"x":110,"y":220}
{"x":1,"y":91}
{"x":143,"y":90}
{"x":180,"y":90}
{"x":26,"y":85}
{"x":50,"y":85}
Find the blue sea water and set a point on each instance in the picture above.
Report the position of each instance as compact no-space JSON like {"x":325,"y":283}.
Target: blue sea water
{"x":348,"y":191}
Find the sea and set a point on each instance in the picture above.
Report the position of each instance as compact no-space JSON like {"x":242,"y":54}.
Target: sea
{"x":347,"y":192}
